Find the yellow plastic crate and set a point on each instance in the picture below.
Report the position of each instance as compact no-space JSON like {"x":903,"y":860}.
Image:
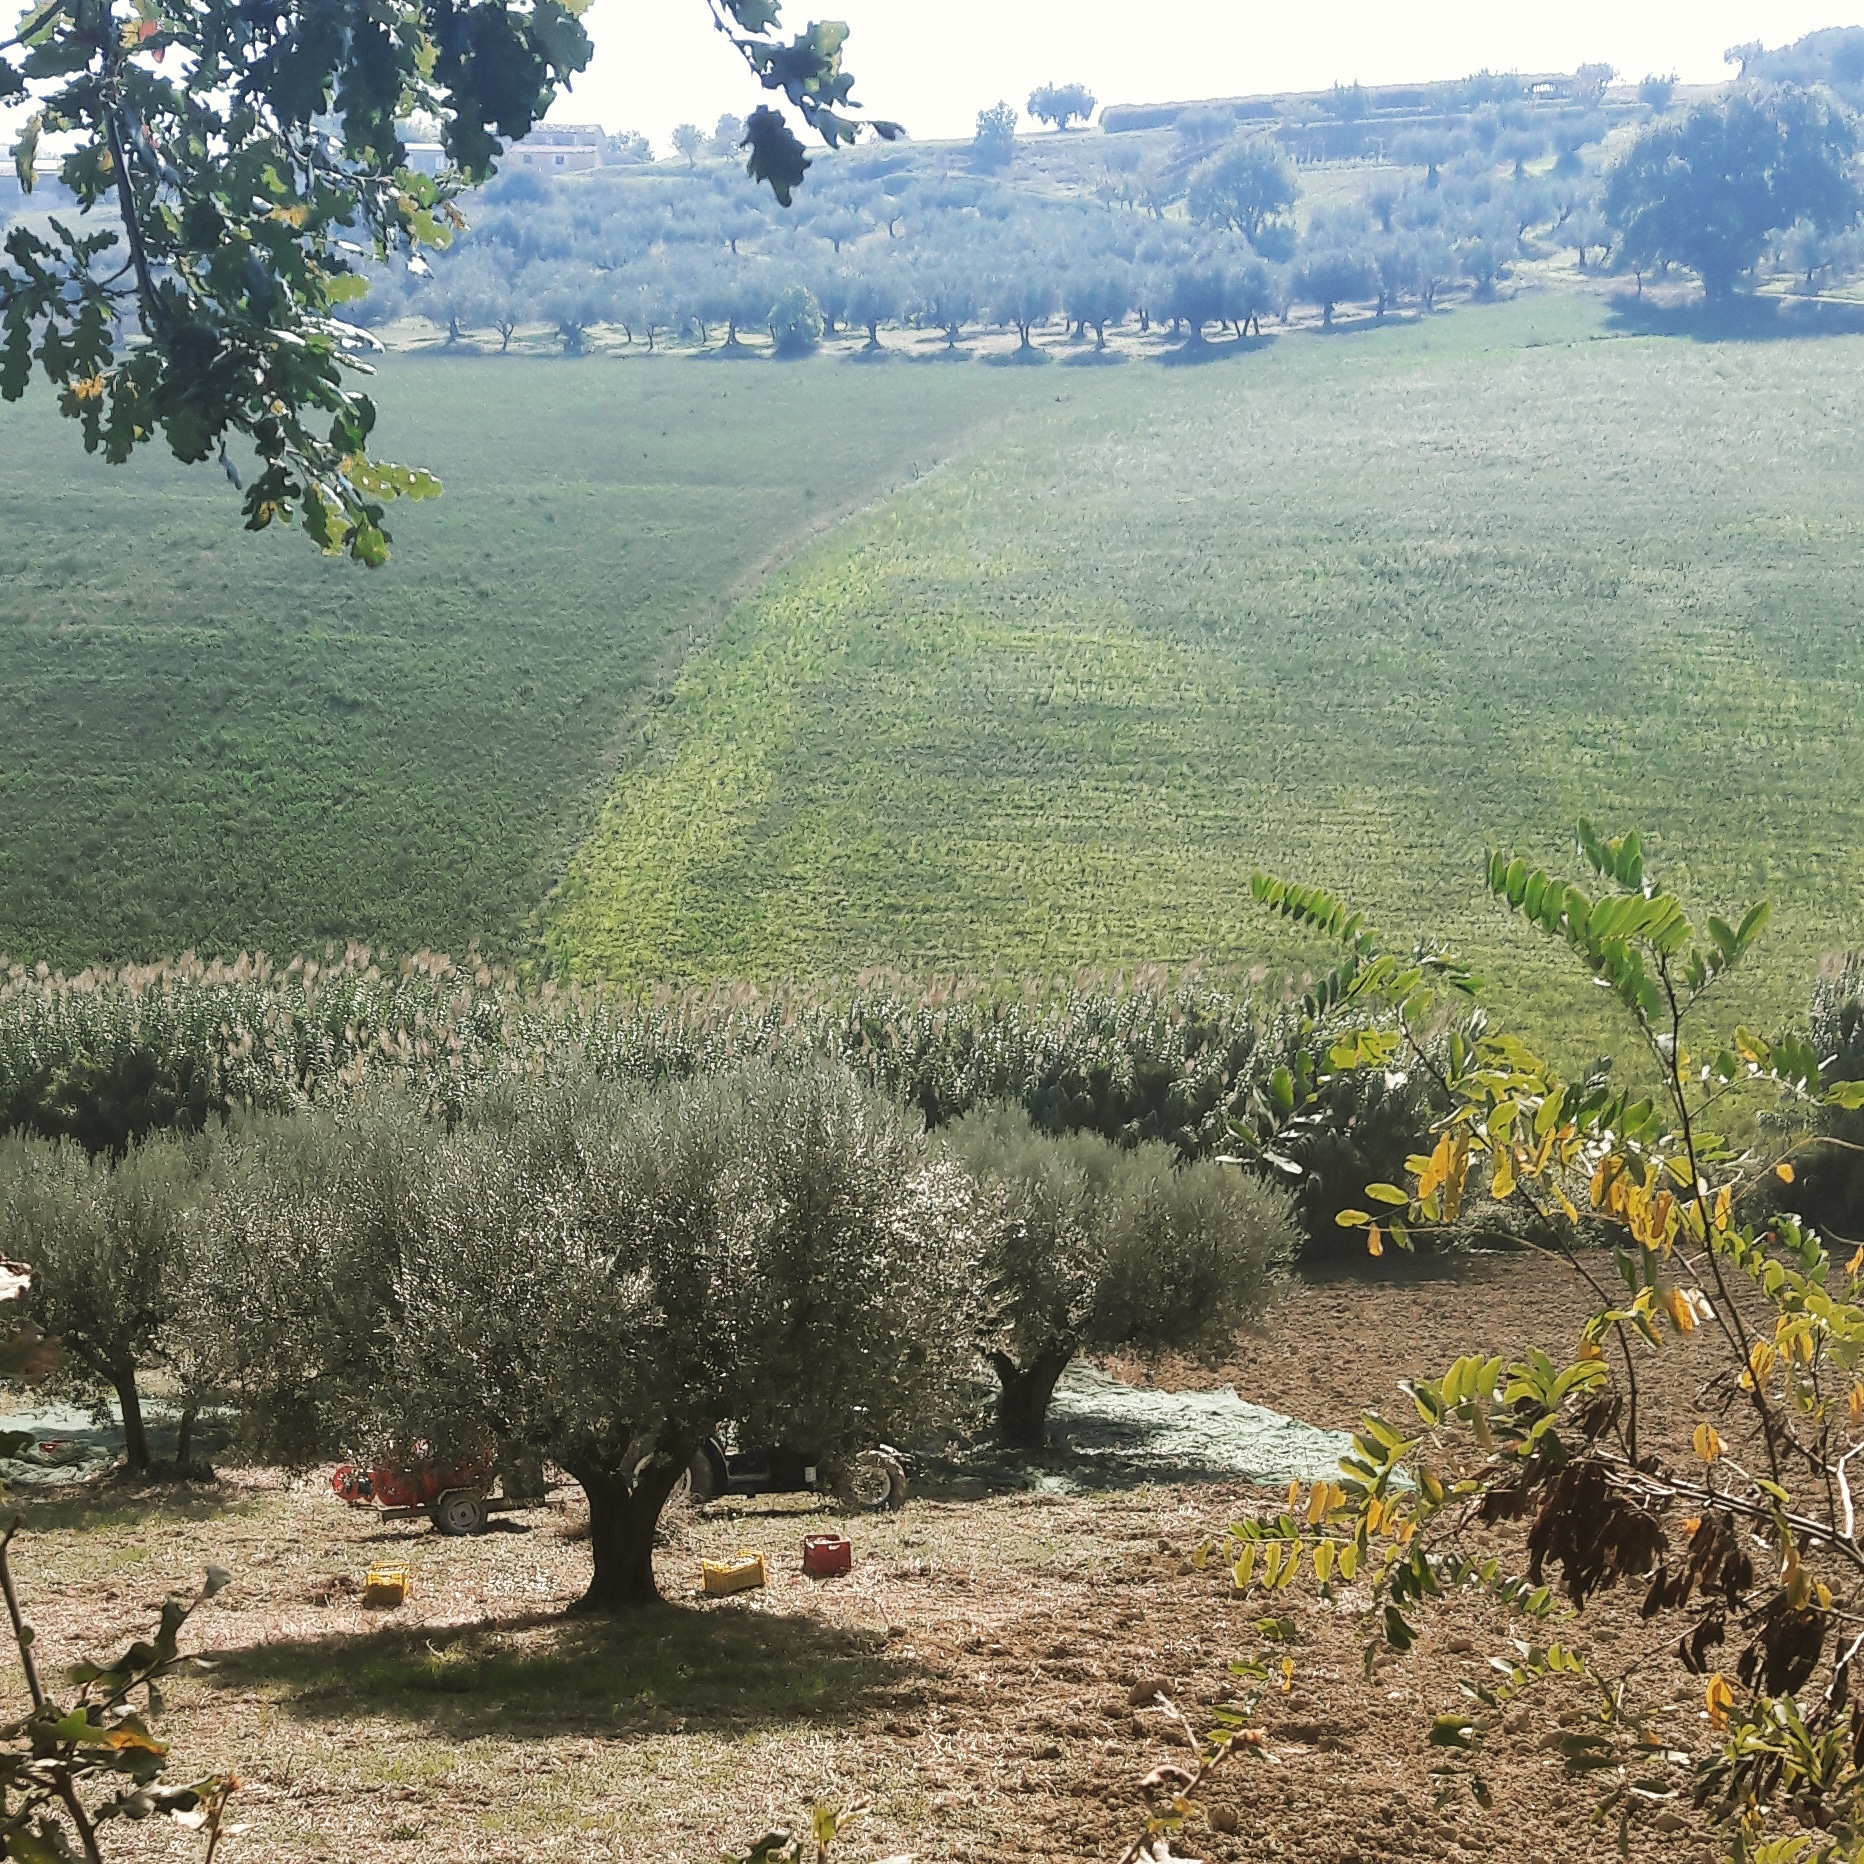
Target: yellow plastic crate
{"x":385,"y":1587}
{"x":741,"y":1574}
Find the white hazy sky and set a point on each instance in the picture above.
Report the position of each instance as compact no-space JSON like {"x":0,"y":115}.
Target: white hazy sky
{"x":935,"y":65}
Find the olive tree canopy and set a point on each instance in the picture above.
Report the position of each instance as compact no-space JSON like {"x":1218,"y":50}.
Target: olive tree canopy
{"x":1706,"y":192}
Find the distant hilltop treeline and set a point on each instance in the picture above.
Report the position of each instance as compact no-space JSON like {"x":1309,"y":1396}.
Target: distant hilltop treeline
{"x":1355,"y":120}
{"x":1207,"y":216}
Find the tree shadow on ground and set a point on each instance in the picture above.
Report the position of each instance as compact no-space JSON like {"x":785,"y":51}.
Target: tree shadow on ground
{"x":723,"y":1668}
{"x":1196,"y":352}
{"x":118,"y":1502}
{"x":1738,"y":320}
{"x":1094,"y":359}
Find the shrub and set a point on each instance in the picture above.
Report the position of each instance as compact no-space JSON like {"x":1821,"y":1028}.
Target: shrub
{"x":796,"y":322}
{"x":995,"y":143}
{"x":1090,"y":1246}
{"x":1131,"y":1066}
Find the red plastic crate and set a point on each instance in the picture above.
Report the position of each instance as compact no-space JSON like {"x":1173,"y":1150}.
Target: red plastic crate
{"x":825,"y":1555}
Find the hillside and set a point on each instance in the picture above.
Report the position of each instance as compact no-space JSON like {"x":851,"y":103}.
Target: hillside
{"x":1349,"y":607}
{"x":218,"y":740}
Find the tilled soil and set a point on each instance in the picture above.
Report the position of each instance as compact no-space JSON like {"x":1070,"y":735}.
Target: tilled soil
{"x":980,"y":1678}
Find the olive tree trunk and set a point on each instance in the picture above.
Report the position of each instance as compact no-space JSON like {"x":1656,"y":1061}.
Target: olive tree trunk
{"x":135,"y":1432}
{"x":1024,"y":1392}
{"x":623,"y":1516}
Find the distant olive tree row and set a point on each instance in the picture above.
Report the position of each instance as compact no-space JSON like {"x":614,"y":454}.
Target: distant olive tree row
{"x":1203,"y":228}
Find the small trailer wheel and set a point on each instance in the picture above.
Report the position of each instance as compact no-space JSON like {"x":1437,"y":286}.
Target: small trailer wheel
{"x":459,"y":1512}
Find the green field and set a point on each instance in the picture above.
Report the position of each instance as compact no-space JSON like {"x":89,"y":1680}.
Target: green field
{"x":1347,"y":607}
{"x":219,"y":740}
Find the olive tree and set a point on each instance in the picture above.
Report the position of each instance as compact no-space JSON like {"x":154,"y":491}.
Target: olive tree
{"x":1061,"y":104}
{"x":1333,"y":274}
{"x":1245,"y":187}
{"x":603,"y":1276}
{"x":1024,"y":297}
{"x":1706,"y":191}
{"x":1100,"y":296}
{"x":1092,"y":1246}
{"x":948,"y":299}
{"x":293,"y":1258}
{"x":107,"y":1238}
{"x":876,"y":294}
{"x":1197,"y":294}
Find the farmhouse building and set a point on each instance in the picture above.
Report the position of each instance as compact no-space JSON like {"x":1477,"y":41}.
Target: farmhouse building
{"x":559,"y":148}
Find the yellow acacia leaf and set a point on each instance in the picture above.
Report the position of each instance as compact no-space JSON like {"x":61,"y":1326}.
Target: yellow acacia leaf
{"x":1590,"y":1349}
{"x":1794,"y":1578}
{"x":1349,"y":1561}
{"x":1375,"y":1241}
{"x":1720,"y":1699}
{"x":1708,"y":1442}
{"x":1856,"y":1403}
{"x":1294,"y":1496}
{"x":1317,"y":1504}
{"x":1784,"y":1172}
{"x":1724,"y":1205}
{"x":1287,"y":1674}
{"x":1323,"y":1560}
{"x":1856,"y":1262}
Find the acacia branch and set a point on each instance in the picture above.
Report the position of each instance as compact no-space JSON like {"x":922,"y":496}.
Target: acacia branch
{"x":1699,"y":1192}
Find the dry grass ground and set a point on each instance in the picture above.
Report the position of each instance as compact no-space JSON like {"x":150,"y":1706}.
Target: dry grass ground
{"x":971,"y":1677}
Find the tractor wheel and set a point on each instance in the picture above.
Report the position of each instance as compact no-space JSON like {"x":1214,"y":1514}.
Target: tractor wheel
{"x":460,"y":1511}
{"x":876,"y":1480}
{"x":706,"y":1478}
{"x":702,"y":1480}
